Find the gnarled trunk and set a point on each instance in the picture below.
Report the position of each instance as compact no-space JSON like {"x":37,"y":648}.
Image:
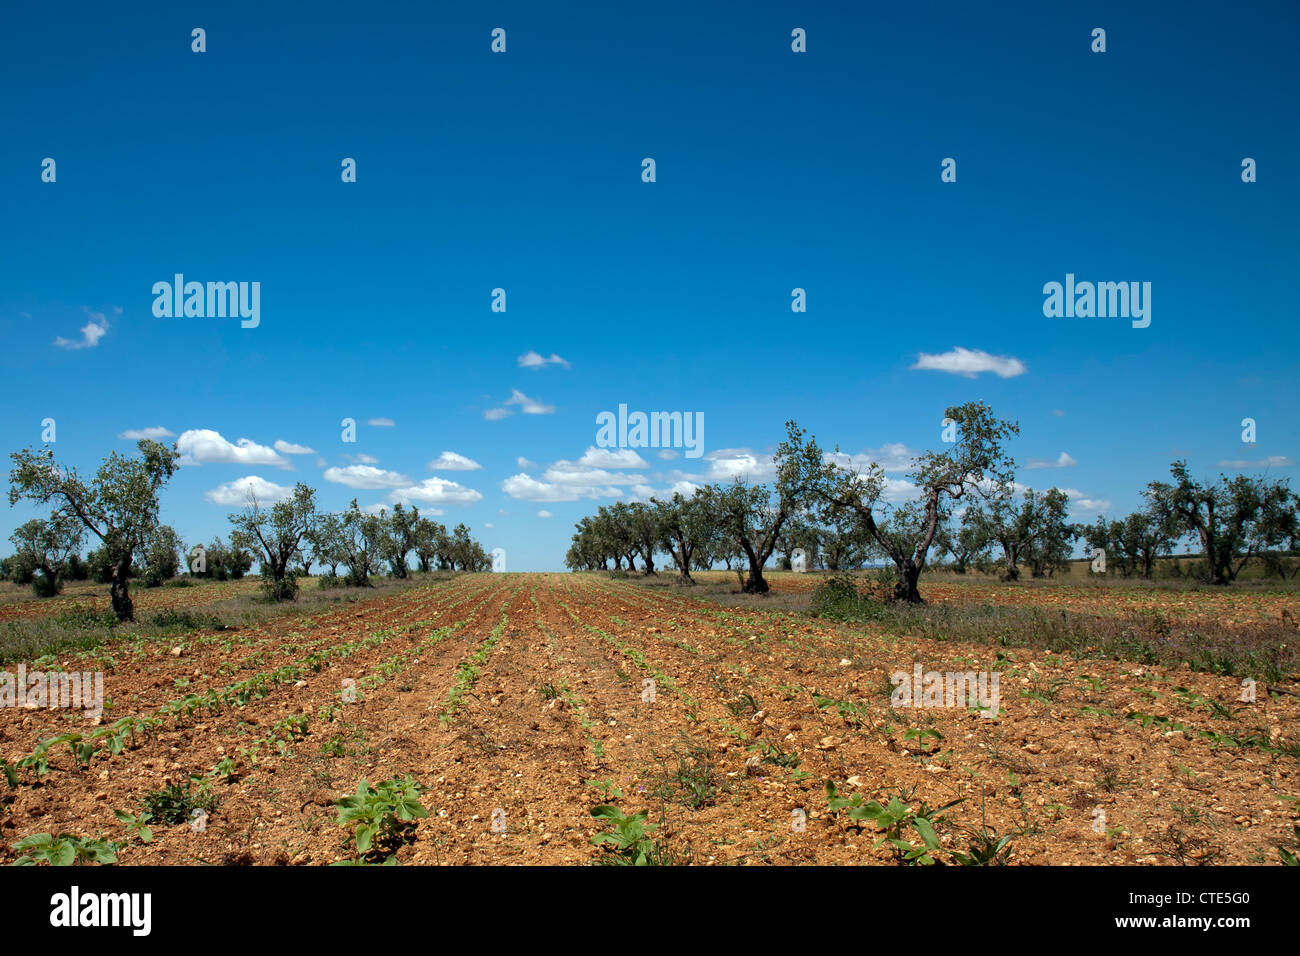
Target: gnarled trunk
{"x":119,"y":592}
{"x":909,"y":575}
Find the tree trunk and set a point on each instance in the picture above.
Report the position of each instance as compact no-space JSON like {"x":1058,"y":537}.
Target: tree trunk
{"x":118,"y":591}
{"x":906,"y":590}
{"x":1013,"y":565}
{"x":682,"y":558}
{"x":755,"y":583}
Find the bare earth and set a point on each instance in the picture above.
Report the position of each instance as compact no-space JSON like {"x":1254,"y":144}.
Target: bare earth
{"x":555,"y":721}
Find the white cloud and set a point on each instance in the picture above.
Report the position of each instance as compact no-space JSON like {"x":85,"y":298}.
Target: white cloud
{"x":668,"y":454}
{"x":289,"y":448}
{"x":1058,"y":413}
{"x":489,"y":524}
{"x":531,"y":406}
{"x":235,"y":493}
{"x":612,"y":458}
{"x":153,"y":432}
{"x":1061,"y":461}
{"x":727,"y":464}
{"x":527,"y":488}
{"x":450,"y":461}
{"x":1272,"y":461}
{"x":534,"y":360}
{"x":436,"y":491}
{"x":1081,"y":502}
{"x":545,"y":514}
{"x":362,"y":459}
{"x":381,"y":422}
{"x":91,"y":333}
{"x":525,"y":464}
{"x":898,"y":490}
{"x":597,"y":474}
{"x":569,"y":473}
{"x":365,"y":476}
{"x":970,"y":362}
{"x":892,"y":456}
{"x":202,"y":445}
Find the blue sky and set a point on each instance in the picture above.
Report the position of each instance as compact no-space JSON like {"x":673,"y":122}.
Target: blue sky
{"x":775,"y":170}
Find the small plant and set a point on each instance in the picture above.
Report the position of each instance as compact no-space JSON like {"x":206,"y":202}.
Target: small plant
{"x":1187,"y":850}
{"x":629,"y":839}
{"x":137,"y":824}
{"x":607,"y":789}
{"x":773,"y":754}
{"x":694,"y":782}
{"x":381,"y":815}
{"x":224,"y":770}
{"x":895,"y":818}
{"x":743,"y":706}
{"x":66,"y":849}
{"x":175,"y":804}
{"x":986,"y":847}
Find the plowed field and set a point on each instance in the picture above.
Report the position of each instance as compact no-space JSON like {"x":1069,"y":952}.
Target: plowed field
{"x":518,"y":702}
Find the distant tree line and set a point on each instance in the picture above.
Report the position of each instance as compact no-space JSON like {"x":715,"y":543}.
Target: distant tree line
{"x":966,"y":508}
{"x":117,"y":511}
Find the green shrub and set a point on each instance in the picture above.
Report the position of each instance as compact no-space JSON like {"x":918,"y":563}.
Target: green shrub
{"x":839,"y":597}
{"x":65,"y":849}
{"x":175,"y":804}
{"x":382,"y":815}
{"x":285,"y":589}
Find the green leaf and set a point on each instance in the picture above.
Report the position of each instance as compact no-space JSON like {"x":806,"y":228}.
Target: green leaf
{"x":923,"y":827}
{"x":365,"y":835}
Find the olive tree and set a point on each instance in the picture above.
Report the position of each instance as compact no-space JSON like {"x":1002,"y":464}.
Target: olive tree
{"x":963,"y":540}
{"x":119,"y":506}
{"x":686,"y":525}
{"x":643,"y":529}
{"x":1033,"y":530}
{"x":1235,"y":519}
{"x":399,"y":537}
{"x":975,"y":459}
{"x":275,"y":535}
{"x":361,"y":542}
{"x":161,"y":556}
{"x":429,"y":542}
{"x":326,"y":542}
{"x":46,"y":547}
{"x":753,"y":515}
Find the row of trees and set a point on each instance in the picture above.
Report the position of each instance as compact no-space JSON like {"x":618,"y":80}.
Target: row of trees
{"x":291,"y":536}
{"x":966,"y":504}
{"x":117,"y":511}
